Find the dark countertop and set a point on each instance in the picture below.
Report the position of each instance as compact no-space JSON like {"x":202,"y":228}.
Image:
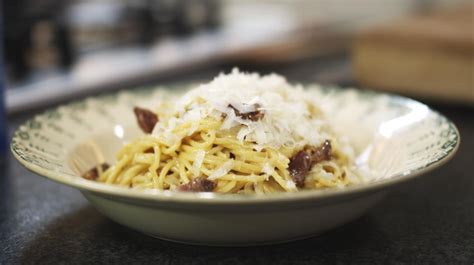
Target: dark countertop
{"x":427,"y":221}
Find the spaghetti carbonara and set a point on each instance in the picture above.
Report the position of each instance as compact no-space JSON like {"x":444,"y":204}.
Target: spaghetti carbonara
{"x":240,"y":133}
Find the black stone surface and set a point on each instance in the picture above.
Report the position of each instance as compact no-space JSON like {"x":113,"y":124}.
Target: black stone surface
{"x":427,"y":221}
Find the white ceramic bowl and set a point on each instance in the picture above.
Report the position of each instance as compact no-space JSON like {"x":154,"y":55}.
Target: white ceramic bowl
{"x":397,"y":138}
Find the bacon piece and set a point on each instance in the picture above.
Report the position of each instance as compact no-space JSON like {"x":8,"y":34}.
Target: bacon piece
{"x":198,"y":185}
{"x":320,"y":153}
{"x":253,"y":115}
{"x":300,"y":165}
{"x":93,"y":173}
{"x":146,"y":119}
{"x":302,"y":162}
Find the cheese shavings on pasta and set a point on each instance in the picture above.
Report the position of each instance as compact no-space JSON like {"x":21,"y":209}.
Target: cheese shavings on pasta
{"x":240,"y":133}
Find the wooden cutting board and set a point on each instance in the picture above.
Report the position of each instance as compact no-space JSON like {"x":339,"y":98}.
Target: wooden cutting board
{"x":427,"y":56}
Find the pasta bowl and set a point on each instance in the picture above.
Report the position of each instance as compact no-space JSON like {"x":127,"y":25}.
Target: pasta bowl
{"x":396,"y":140}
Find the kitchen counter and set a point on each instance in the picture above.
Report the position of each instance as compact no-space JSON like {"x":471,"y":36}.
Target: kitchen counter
{"x":429,"y":220}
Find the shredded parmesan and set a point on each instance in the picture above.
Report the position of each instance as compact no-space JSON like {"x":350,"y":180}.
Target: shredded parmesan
{"x":290,"y":185}
{"x":287,"y":120}
{"x":198,"y":159}
{"x":267,"y":169}
{"x":222,"y":170}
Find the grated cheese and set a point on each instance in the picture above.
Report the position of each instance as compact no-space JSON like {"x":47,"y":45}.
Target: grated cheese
{"x":267,"y":169}
{"x":287,"y":120}
{"x":290,"y":184}
{"x":198,"y":159}
{"x":222,"y":170}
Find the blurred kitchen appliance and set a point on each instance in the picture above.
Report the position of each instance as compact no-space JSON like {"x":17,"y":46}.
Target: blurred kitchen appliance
{"x":45,"y":36}
{"x":36,"y":39}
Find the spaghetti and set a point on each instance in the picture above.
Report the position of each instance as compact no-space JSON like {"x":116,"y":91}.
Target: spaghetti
{"x":241,"y":133}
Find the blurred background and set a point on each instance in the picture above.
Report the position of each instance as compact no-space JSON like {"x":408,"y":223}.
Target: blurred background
{"x":57,"y":50}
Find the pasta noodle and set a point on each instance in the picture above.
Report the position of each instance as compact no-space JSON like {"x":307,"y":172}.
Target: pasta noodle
{"x":232,"y":148}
